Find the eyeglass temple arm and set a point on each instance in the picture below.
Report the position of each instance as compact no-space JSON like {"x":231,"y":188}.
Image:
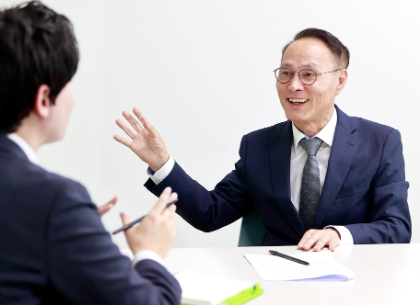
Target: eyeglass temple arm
{"x":330,"y":71}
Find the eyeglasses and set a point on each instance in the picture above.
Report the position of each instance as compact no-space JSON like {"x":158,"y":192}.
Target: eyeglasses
{"x":306,"y":76}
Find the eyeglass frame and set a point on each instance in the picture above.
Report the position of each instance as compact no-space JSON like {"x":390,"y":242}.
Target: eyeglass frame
{"x":298,"y":73}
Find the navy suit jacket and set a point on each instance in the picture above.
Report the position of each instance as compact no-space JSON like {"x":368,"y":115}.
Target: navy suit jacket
{"x":55,"y":250}
{"x":364,"y":189}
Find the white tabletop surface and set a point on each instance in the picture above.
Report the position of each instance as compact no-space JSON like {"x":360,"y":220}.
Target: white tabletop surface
{"x":385,"y":274}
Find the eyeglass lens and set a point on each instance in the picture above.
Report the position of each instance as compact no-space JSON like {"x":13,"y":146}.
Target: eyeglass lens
{"x":283,"y":75}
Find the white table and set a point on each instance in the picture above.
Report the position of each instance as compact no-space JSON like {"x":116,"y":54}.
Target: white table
{"x":385,"y":274}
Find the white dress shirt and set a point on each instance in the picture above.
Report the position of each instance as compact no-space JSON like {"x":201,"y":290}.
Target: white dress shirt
{"x":298,"y":158}
{"x":27,"y":149}
{"x":30,"y":153}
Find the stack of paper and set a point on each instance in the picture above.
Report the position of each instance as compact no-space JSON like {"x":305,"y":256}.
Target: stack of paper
{"x":322,"y":267}
{"x":203,"y":289}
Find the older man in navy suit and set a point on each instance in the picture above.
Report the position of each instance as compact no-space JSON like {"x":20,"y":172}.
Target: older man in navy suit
{"x":53,"y":246}
{"x":321,"y":178}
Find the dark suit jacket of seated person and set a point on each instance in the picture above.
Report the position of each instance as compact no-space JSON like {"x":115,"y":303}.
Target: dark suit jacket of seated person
{"x":53,"y":246}
{"x":364,"y":192}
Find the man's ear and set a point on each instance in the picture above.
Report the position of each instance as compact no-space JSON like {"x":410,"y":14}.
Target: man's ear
{"x":42,"y":103}
{"x":341,"y":81}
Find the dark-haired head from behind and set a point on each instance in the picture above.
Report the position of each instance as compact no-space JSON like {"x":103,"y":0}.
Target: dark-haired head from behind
{"x":332,"y":42}
{"x":37,"y":46}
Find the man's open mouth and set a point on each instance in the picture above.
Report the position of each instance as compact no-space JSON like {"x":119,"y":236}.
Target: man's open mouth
{"x":297,"y":101}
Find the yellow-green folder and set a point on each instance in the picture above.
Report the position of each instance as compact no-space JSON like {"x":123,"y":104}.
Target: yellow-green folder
{"x":242,"y":297}
{"x":204,"y":289}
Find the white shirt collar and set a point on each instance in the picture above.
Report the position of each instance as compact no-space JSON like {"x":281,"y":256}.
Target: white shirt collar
{"x":326,"y":134}
{"x":27,"y":149}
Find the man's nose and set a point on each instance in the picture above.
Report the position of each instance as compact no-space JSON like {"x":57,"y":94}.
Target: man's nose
{"x":295,"y":84}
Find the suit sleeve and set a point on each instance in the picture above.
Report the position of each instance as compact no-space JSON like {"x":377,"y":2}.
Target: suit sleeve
{"x":86,"y":267}
{"x":389,"y":216}
{"x":209,"y":210}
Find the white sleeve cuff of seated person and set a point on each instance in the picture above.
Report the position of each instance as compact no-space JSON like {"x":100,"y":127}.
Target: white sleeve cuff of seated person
{"x":346,"y":237}
{"x":163,"y":172}
{"x":147,"y":254}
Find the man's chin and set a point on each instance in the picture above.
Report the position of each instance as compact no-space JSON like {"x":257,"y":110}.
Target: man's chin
{"x":55,"y":138}
{"x":295,"y":116}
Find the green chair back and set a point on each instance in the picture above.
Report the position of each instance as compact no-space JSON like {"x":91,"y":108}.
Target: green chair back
{"x":252,"y":230}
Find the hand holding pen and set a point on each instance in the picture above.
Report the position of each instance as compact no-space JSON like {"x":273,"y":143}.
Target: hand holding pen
{"x":138,"y":220}
{"x":157,"y":229}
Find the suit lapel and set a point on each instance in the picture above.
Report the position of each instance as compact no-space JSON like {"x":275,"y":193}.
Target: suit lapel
{"x":280,"y":149}
{"x":343,"y":150}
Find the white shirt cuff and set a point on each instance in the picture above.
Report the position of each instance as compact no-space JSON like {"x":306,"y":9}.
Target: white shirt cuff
{"x":346,"y":237}
{"x":147,"y":254}
{"x":163,"y":172}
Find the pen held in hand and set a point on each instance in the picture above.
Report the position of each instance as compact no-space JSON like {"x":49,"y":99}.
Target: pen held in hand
{"x":290,"y":258}
{"x":129,"y":225}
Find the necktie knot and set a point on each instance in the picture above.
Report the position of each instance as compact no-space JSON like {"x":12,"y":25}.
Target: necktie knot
{"x":311,"y":146}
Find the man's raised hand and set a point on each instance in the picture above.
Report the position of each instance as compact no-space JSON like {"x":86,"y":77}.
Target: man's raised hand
{"x":146,"y":142}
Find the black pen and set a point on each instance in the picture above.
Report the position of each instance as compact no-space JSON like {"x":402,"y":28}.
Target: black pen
{"x":293,"y":259}
{"x":129,"y":225}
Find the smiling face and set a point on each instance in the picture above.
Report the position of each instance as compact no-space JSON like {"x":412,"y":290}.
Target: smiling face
{"x":310,"y":107}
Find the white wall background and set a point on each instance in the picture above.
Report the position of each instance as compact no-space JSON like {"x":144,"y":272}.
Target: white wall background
{"x":202,"y":72}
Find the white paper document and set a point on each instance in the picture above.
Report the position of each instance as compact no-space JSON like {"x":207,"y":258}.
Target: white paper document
{"x":204,"y":289}
{"x":322,"y":267}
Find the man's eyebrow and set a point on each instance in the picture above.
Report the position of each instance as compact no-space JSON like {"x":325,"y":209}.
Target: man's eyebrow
{"x":312,"y":65}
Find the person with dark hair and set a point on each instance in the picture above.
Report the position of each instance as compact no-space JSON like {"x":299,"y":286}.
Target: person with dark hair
{"x":54,"y":248}
{"x":319,"y":179}
{"x":333,"y":44}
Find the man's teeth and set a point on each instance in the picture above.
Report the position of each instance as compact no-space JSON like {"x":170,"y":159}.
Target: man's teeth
{"x":297,"y":100}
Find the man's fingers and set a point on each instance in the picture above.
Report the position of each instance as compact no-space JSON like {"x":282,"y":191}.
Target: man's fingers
{"x":327,"y":239}
{"x":309,"y":244}
{"x":140,"y":116}
{"x":123,"y":141}
{"x":125,"y":218}
{"x":113,"y":201}
{"x":145,"y":122}
{"x":170,"y":212}
{"x":312,"y":238}
{"x":318,"y":239}
{"x":103,"y":209}
{"x":305,"y":237}
{"x":335,"y":239}
{"x":172,"y":197}
{"x":169,"y":215}
{"x":172,"y":209}
{"x":133,"y":122}
{"x":320,"y":243}
{"x":128,"y":130}
{"x":171,"y":221}
{"x":162,"y":201}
